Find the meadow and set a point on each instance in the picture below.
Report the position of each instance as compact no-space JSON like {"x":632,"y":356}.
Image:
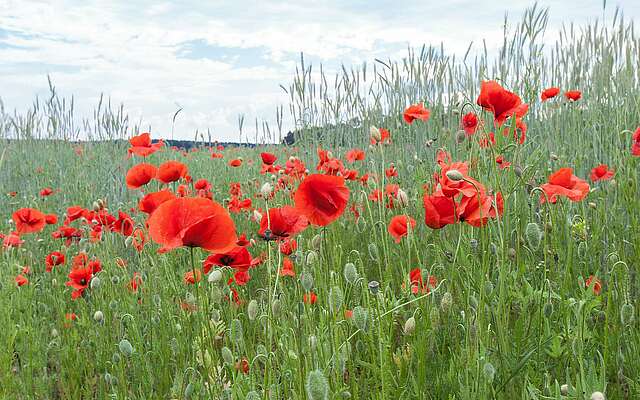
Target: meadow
{"x":442,"y":228}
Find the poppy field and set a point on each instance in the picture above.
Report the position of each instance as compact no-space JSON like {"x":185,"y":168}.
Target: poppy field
{"x":462,"y":232}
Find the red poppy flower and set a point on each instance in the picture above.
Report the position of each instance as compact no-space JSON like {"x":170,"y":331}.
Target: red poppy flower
{"x":501,"y":102}
{"x":601,"y":173}
{"x":288,"y":268}
{"x":29,"y":220}
{"x":549,"y":93}
{"x":192,"y":222}
{"x":564,"y":183}
{"x":11,"y":240}
{"x":573,"y":95}
{"x":140,"y":174}
{"x":354,"y":155}
{"x":46,"y":192}
{"x":235,"y":163}
{"x":416,"y":111}
{"x":79,"y":279}
{"x":597,"y":285}
{"x":476,"y":210}
{"x":51,"y":219}
{"x":237,"y":258}
{"x":124,"y":224}
{"x":282,"y":223}
{"x":135,"y":283}
{"x":191,"y":277}
{"x":310,"y":298}
{"x":635,"y":146}
{"x":385,"y":137}
{"x":171,"y":171}
{"x":21,"y":280}
{"x":322,"y":198}
{"x":288,"y":246}
{"x":418,"y":285}
{"x":52,"y":259}
{"x":470,"y":123}
{"x":202,"y":184}
{"x":139,"y":239}
{"x":399,"y":226}
{"x":151,"y":201}
{"x":141,"y":145}
{"x":243,"y":366}
{"x":439,"y":210}
{"x":268,"y":158}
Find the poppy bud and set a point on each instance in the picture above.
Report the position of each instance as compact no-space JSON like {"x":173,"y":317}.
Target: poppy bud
{"x":215,"y":276}
{"x":592,"y":205}
{"x":312,"y":257}
{"x":266,"y":189}
{"x":313,"y":342}
{"x":488,"y":287}
{"x":361,"y":318}
{"x":98,"y":316}
{"x":489,"y":371}
{"x":252,"y":310}
{"x":110,"y":380}
{"x":350,"y":273}
{"x":518,"y":171}
{"x":564,"y":390}
{"x":227,"y":356}
{"x":95,"y":283}
{"x":403,"y":198}
{"x":253,"y":395}
{"x":54,"y":282}
{"x":373,"y":252}
{"x":257,"y":216}
{"x":54,"y":333}
{"x":627,"y":314}
{"x":446,"y":302}
{"x":474,"y":244}
{"x":554,"y":157}
{"x":125,"y":347}
{"x":336,"y":298}
{"x":317,"y":386}
{"x":460,"y":136}
{"x":434,"y":317}
{"x":455,"y":175}
{"x":374,"y":133}
{"x":511,"y":253}
{"x":276,"y":307}
{"x":307,"y":281}
{"x":533,"y":235}
{"x":316,"y":242}
{"x":409,"y":326}
{"x":95,"y":206}
{"x":113,"y":304}
{"x":235,"y":333}
{"x":374,"y":287}
{"x":188,"y":391}
{"x":547,"y":309}
{"x":115,"y":358}
{"x":597,"y":396}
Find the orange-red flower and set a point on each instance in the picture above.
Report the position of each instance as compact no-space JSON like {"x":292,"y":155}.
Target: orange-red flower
{"x":635,"y":146}
{"x":141,"y":145}
{"x":151,"y":201}
{"x":79,"y":279}
{"x":235,"y":162}
{"x":549,"y":93}
{"x":29,"y":220}
{"x":416,"y":111}
{"x":573,"y":95}
{"x":354,"y":155}
{"x":237,"y":258}
{"x":140,"y":174}
{"x":322,"y":198}
{"x":399,"y":226}
{"x":268,"y":158}
{"x":192,"y":222}
{"x":418,"y":285}
{"x":52,"y":259}
{"x":595,"y":284}
{"x":439,"y":210}
{"x":470,"y":123}
{"x":282,"y":223}
{"x":564,"y":183}
{"x":191,"y":277}
{"x":601,"y":173}
{"x":310,"y":298}
{"x":171,"y":171}
{"x":21,"y":280}
{"x":476,"y":210}
{"x":288,"y":268}
{"x":501,"y":102}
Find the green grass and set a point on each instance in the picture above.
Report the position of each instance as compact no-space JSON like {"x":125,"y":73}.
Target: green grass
{"x":507,"y":320}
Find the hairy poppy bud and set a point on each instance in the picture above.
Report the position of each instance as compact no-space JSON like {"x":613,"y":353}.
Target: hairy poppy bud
{"x":115,"y":358}
{"x":317,"y":386}
{"x":313,"y":342}
{"x":446,"y":302}
{"x":188,"y":391}
{"x":95,"y":283}
{"x":489,"y":371}
{"x":455,"y":175}
{"x":597,"y":396}
{"x":361,"y":318}
{"x":460,"y":136}
{"x":373,"y":252}
{"x":312,"y":257}
{"x":276,"y":307}
{"x":564,"y":390}
{"x":235,"y":333}
{"x":336,"y":298}
{"x":409,"y":326}
{"x":253,"y":395}
{"x":125,"y":347}
{"x":350,"y":273}
{"x":252,"y":310}
{"x":215,"y":276}
{"x":307,"y":281}
{"x":533,"y":235}
{"x":626,"y":314}
{"x":547,"y":309}
{"x":266,"y":189}
{"x":257,"y":216}
{"x":227,"y":355}
{"x":374,"y":133}
{"x":98,"y":316}
{"x":316,"y":241}
{"x":403,"y":198}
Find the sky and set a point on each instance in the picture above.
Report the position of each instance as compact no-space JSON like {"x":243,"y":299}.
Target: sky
{"x":219,"y":59}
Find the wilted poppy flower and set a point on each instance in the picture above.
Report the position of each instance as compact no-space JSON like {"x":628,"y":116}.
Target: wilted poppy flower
{"x":573,"y":95}
{"x":141,"y":145}
{"x":135,"y":283}
{"x":287,"y":268}
{"x":549,"y":93}
{"x":140,"y":174}
{"x":192,"y":222}
{"x":595,"y":284}
{"x":416,"y":111}
{"x":171,"y":171}
{"x":268,"y":158}
{"x":151,"y":201}
{"x":322,"y":198}
{"x":354,"y":155}
{"x":288,"y":246}
{"x":635,"y":146}
{"x":501,"y":102}
{"x":601,"y":173}
{"x":399,"y":226}
{"x":470,"y":123}
{"x":29,"y":220}
{"x":282,"y":223}
{"x":439,"y":210}
{"x":564,"y":183}
{"x":52,"y":259}
{"x":21,"y":280}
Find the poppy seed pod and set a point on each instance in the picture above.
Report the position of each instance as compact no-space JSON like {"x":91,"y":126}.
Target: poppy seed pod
{"x":374,"y":134}
{"x":252,"y":310}
{"x":409,"y":326}
{"x":125,"y":347}
{"x":374,"y":287}
{"x":317,"y":386}
{"x":454,"y":175}
{"x":350,"y":273}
